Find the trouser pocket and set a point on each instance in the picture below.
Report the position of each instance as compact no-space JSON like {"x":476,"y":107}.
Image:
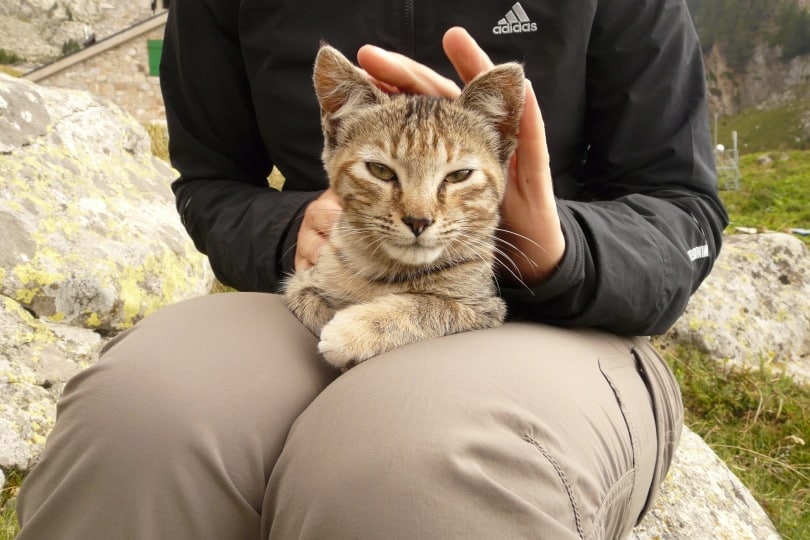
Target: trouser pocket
{"x":667,"y":410}
{"x":625,"y":500}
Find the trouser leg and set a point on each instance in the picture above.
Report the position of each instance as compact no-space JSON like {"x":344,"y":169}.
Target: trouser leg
{"x":174,"y":432}
{"x":524,"y":431}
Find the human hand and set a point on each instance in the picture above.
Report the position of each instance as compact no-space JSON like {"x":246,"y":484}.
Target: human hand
{"x":530,"y":234}
{"x":319,"y":217}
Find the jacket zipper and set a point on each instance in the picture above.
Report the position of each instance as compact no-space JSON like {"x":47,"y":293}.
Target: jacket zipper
{"x":407,"y":29}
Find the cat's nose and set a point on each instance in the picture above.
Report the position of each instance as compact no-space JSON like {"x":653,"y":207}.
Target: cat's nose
{"x":417,"y":224}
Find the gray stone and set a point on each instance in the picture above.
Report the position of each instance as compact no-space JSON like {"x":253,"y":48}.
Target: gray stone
{"x":38,"y":29}
{"x":90,"y":243}
{"x":36,"y":359}
{"x":754,"y":308}
{"x":701,"y":498}
{"x":91,"y":237}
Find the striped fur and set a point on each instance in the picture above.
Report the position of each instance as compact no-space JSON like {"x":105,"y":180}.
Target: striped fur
{"x":421,"y":180}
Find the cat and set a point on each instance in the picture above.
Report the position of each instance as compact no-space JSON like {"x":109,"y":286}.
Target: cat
{"x":420,"y":180}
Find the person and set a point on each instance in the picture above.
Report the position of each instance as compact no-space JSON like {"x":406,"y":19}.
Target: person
{"x":215,"y":417}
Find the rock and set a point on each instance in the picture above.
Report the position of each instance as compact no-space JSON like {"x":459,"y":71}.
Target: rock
{"x":36,"y":359}
{"x":37,"y":30}
{"x":91,"y":243}
{"x":701,"y":498}
{"x":91,"y":237}
{"x":754,"y":308}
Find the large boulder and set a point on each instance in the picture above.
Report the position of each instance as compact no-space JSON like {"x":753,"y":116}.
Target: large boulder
{"x":90,"y":236}
{"x":754,"y":308}
{"x":90,"y":243}
{"x":701,"y":498}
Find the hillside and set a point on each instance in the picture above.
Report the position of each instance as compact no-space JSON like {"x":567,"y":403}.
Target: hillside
{"x":34,"y":32}
{"x":757,"y":52}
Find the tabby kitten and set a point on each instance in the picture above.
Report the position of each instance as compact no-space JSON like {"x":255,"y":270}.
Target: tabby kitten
{"x":421,"y":180}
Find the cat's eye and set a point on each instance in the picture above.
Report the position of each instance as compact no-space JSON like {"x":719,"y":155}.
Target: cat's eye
{"x":458,"y":176}
{"x":383,"y":172}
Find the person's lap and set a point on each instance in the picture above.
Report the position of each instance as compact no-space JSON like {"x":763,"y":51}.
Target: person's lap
{"x":177,"y":430}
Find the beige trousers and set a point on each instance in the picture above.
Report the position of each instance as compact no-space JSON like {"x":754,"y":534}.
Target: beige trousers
{"x":215,"y":419}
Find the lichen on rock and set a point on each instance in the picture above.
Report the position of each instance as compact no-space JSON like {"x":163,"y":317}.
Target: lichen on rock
{"x":91,"y":235}
{"x":90,"y":243}
{"x":701,"y":498}
{"x":36,"y":359}
{"x":754,"y":308}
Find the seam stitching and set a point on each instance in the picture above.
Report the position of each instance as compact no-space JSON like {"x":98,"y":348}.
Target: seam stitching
{"x":563,"y":478}
{"x":626,"y":415}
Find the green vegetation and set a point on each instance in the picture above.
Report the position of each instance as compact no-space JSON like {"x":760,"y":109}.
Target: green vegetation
{"x":160,"y":140}
{"x":8,"y":519}
{"x":11,"y":58}
{"x":778,"y":128}
{"x":758,"y":423}
{"x":774,"y":193}
{"x":70,"y":46}
{"x":733,"y":25}
{"x":9,"y":71}
{"x":737,"y":26}
{"x":793,"y":32}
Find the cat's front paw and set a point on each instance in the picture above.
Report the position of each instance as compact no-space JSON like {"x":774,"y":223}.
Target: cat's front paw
{"x":344,"y":341}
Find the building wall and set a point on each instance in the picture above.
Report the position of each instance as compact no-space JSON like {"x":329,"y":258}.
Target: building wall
{"x":121,"y":75}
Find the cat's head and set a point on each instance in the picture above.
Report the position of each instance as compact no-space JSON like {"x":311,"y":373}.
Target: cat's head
{"x":421,"y":178}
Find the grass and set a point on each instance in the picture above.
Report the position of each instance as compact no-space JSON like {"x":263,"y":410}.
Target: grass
{"x":758,"y":422}
{"x":776,"y":128}
{"x":159,"y":137}
{"x":8,"y":70}
{"x":773,"y":195}
{"x":8,"y":495}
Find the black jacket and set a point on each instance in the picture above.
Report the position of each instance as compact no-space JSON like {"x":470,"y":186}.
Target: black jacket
{"x":621,"y":88}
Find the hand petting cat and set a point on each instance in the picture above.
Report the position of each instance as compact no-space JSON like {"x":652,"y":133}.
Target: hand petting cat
{"x":319,"y":217}
{"x":530,"y":229}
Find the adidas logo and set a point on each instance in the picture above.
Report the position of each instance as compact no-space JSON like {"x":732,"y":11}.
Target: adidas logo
{"x":515,"y":22}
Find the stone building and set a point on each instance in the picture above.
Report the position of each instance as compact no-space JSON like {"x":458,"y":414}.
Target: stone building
{"x":122,"y":68}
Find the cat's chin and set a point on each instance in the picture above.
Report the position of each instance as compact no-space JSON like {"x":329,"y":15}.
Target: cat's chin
{"x":414,"y":255}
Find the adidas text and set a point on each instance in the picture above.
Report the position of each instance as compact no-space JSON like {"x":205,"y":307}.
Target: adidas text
{"x":516,"y":28}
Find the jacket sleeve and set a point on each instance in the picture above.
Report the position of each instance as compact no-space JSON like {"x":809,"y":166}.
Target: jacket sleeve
{"x":247,"y":229}
{"x":651,"y":225}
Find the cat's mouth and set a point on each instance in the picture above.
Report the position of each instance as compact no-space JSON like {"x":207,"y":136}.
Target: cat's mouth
{"x":415,"y":254}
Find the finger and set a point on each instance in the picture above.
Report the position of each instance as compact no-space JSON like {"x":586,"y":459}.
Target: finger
{"x":532,"y":151}
{"x":384,"y":86}
{"x":319,"y":217}
{"x":308,"y":248}
{"x":465,"y":54}
{"x":404,"y":73}
{"x":322,"y":216}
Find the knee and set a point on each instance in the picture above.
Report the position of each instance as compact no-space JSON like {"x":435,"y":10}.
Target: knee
{"x":394,"y":440}
{"x":126,"y":407}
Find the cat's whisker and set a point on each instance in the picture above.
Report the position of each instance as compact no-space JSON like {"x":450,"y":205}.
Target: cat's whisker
{"x":505,"y":260}
{"x":521,"y":236}
{"x":506,"y":254}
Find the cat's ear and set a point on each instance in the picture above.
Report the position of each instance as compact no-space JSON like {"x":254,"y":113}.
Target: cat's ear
{"x":498,"y":95}
{"x":341,"y":88}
